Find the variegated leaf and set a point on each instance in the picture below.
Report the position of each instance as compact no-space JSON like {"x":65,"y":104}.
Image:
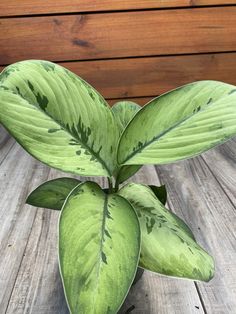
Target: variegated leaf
{"x":52,"y":194}
{"x":99,"y":244}
{"x":180,"y":124}
{"x":58,"y":118}
{"x":124,"y":112}
{"x":167,"y":244}
{"x":161,"y":193}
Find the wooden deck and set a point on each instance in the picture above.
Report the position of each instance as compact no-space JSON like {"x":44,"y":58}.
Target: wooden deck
{"x":202,"y":191}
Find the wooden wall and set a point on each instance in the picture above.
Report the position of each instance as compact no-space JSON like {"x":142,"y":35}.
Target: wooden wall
{"x":132,"y":49}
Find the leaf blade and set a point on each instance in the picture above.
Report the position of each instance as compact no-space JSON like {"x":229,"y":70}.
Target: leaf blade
{"x":53,"y":193}
{"x":180,"y":124}
{"x":167,"y":246}
{"x":54,"y":115}
{"x":124,"y":111}
{"x":96,"y":251}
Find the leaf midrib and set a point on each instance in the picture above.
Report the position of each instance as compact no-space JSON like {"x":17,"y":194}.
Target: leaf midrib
{"x":105,"y":208}
{"x":155,"y":138}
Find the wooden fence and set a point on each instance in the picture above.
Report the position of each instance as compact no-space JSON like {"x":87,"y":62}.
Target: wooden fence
{"x":126,"y":49}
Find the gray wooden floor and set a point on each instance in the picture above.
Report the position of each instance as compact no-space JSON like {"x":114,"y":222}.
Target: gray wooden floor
{"x":202,"y":191}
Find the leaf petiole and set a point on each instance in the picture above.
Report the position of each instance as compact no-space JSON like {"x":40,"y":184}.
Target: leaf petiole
{"x":110,"y":186}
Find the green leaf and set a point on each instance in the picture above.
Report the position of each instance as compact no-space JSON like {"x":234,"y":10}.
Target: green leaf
{"x":180,"y":124}
{"x":124,"y":111}
{"x":99,"y":243}
{"x":58,"y":118}
{"x":166,"y":247}
{"x":125,"y":172}
{"x":160,"y":192}
{"x":52,"y":194}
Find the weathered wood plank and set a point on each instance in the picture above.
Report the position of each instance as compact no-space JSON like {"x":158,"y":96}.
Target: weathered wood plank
{"x":78,"y":37}
{"x":221,"y":161}
{"x":140,"y":100}
{"x":38,"y":288}
{"x":26,"y":7}
{"x":196,"y":195}
{"x":6,"y":143}
{"x":18,"y":173}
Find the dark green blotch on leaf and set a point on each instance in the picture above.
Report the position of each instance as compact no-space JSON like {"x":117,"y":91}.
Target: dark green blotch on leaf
{"x":53,"y":130}
{"x":41,"y":99}
{"x":209,"y":101}
{"x":48,"y":66}
{"x":232,"y":91}
{"x":107,"y":233}
{"x":104,"y":258}
{"x":150,"y":224}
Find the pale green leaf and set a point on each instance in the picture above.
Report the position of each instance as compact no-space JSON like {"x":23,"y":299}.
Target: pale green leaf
{"x":124,"y":111}
{"x":167,"y":245}
{"x":99,"y":243}
{"x":52,"y":194}
{"x":161,"y":193}
{"x":180,"y":124}
{"x":125,"y":172}
{"x":58,"y":118}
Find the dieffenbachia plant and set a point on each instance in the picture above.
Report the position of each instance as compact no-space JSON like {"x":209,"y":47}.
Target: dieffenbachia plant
{"x":104,"y":235}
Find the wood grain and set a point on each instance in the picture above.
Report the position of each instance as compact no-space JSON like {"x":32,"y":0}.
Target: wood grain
{"x":196,"y":195}
{"x":97,"y":36}
{"x":17,"y":170}
{"x":38,"y":287}
{"x":6,"y":143}
{"x":29,"y":253}
{"x":221,"y":161}
{"x":154,"y":76}
{"x":26,"y":7}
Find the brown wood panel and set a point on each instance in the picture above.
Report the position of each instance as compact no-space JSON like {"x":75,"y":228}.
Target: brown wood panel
{"x":154,"y":76}
{"x":97,"y":36}
{"x":144,"y":77}
{"x":27,"y":7}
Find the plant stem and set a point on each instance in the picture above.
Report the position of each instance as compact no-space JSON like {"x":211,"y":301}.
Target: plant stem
{"x":110,"y":185}
{"x":116,"y":186}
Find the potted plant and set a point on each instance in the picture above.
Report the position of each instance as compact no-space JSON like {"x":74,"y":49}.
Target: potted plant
{"x":105,"y":234}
